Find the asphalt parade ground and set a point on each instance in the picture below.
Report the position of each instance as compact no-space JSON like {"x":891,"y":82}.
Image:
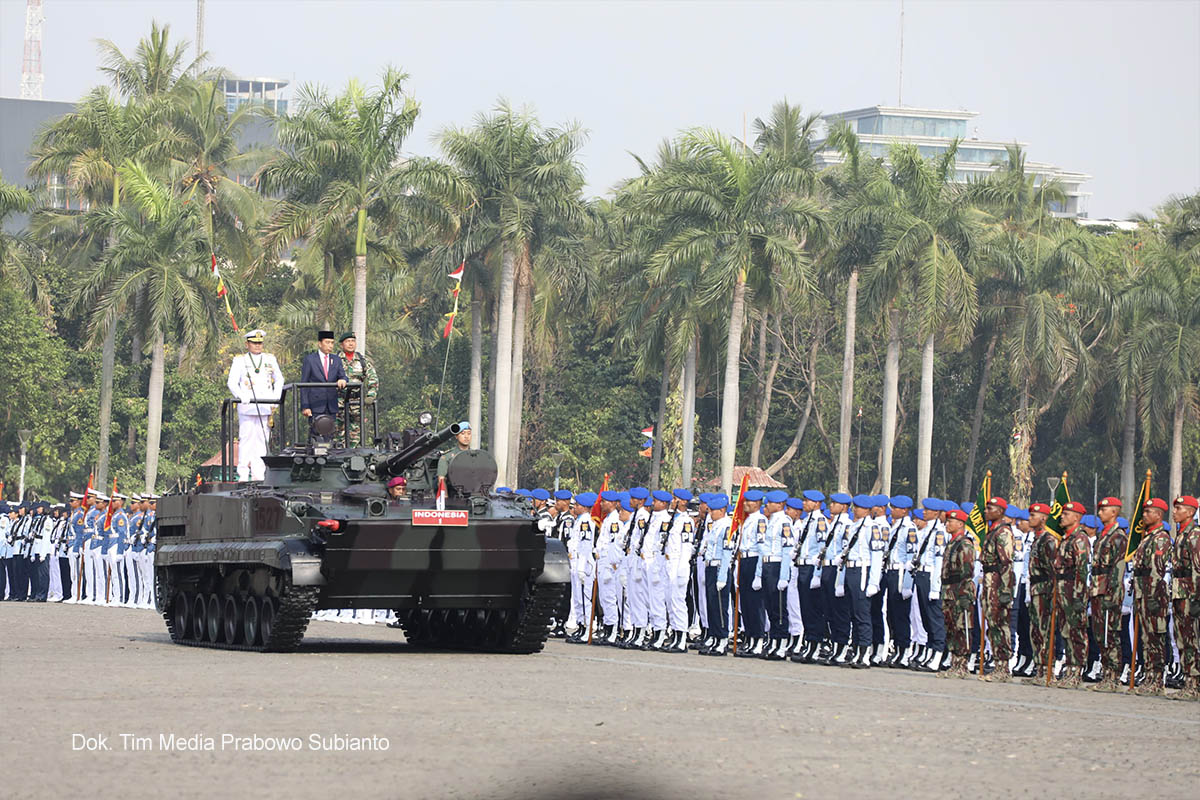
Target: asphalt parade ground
{"x":356,"y":713}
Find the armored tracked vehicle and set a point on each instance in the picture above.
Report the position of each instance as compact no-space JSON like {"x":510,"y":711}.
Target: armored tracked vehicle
{"x":244,"y":565}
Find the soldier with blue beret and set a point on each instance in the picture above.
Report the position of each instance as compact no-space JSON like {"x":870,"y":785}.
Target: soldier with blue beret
{"x":811,"y":533}
{"x":751,"y":538}
{"x":581,"y":549}
{"x":637,"y":592}
{"x":927,"y":582}
{"x":773,"y":572}
{"x":897,"y":593}
{"x":836,"y":604}
{"x":654,"y":543}
{"x":610,"y":552}
{"x":718,"y":556}
{"x":677,"y":555}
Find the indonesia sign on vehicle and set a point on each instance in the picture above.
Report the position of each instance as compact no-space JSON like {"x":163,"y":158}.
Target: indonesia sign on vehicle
{"x":455,"y":517}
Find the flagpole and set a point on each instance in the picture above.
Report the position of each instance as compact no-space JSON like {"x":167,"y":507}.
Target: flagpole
{"x":983,"y":595}
{"x":1134,"y":524}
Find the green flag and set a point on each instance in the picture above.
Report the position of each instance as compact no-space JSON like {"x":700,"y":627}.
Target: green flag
{"x":1136,"y":526}
{"x":1061,"y":497}
{"x":977,"y":525}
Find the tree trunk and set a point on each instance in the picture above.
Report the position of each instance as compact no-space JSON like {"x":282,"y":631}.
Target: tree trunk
{"x":845,"y":420}
{"x":660,"y":422}
{"x":925,"y":421}
{"x":502,"y":398}
{"x":1175,"y":479}
{"x":107,"y":361}
{"x":475,"y":397}
{"x":491,"y":428}
{"x":1128,"y":439}
{"x":764,"y":402}
{"x":520,"y":323}
{"x":1020,"y":451}
{"x":154,"y":398}
{"x":891,"y":392}
{"x":729,"y":402}
{"x":689,"y":412}
{"x":977,"y":419}
{"x":359,"y":320}
{"x":794,"y":445}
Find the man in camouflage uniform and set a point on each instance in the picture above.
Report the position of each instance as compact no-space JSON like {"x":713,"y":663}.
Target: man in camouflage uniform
{"x":1042,"y":553}
{"x":1107,"y":592}
{"x":998,"y":583}
{"x":358,"y":368}
{"x":1151,"y":561}
{"x":958,"y":592}
{"x":1071,"y":572}
{"x":1184,"y":598}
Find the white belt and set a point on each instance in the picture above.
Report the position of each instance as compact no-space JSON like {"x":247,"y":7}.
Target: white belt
{"x":808,"y":562}
{"x":715,"y":563}
{"x":855,"y":564}
{"x":770,"y":559}
{"x":749,"y":554}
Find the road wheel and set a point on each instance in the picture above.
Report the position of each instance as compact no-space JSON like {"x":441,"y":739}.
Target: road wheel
{"x":250,"y":624}
{"x":199,"y":617}
{"x":266,"y":619}
{"x":233,"y":620}
{"x":183,"y":615}
{"x":213,"y":617}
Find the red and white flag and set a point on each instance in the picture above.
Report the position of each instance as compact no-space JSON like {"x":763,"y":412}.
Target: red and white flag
{"x":441,"y":494}
{"x":457,"y":277}
{"x":648,"y":431}
{"x":222,"y":291}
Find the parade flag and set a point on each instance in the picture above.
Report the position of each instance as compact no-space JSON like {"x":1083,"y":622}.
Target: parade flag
{"x":1,"y":490}
{"x":87,"y":493}
{"x":1137,"y":527}
{"x":456,"y":276}
{"x":1062,"y":496}
{"x":647,"y":448}
{"x":440,"y":502}
{"x":108,"y":515}
{"x":739,"y":509}
{"x":648,"y":431}
{"x":222,"y":292}
{"x":977,"y":525}
{"x":596,"y":506}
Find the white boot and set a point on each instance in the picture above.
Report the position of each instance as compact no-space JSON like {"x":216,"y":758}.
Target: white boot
{"x":935,"y":662}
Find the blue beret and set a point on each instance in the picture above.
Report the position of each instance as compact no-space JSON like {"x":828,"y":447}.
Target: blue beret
{"x":813,"y":495}
{"x":586,"y":499}
{"x":540,"y":494}
{"x":753,"y":496}
{"x":794,"y":502}
{"x":864,"y":500}
{"x":703,"y":497}
{"x":562,"y":494}
{"x":639,"y":493}
{"x":1018,"y":513}
{"x":503,"y":490}
{"x":901,"y":501}
{"x":718,"y":501}
{"x":625,"y":504}
{"x":930,"y":503}
{"x":1122,"y":522}
{"x":918,"y":513}
{"x":777,"y":496}
{"x":966,"y":507}
{"x":659,"y":494}
{"x":1090,"y":521}
{"x":611,"y":495}
{"x":683,"y":494}
{"x":879,"y":500}
{"x":523,"y":493}
{"x":841,"y":497}
{"x":624,"y":495}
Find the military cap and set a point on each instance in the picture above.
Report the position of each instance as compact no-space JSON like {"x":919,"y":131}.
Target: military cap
{"x":1122,"y":522}
{"x":120,"y":496}
{"x":1090,"y":521}
{"x":540,"y":494}
{"x":1020,"y":513}
{"x":347,"y":335}
{"x":255,"y":336}
{"x":958,"y":514}
{"x":101,"y":497}
{"x":879,"y":500}
{"x":753,"y":496}
{"x":625,"y":504}
{"x":841,"y":497}
{"x":901,"y":501}
{"x":503,"y":490}
{"x":324,"y":335}
{"x":611,"y":496}
{"x":1155,"y":502}
{"x":135,"y":497}
{"x":1187,"y":500}
{"x":586,"y":499}
{"x":968,"y":506}
{"x":794,"y":502}
{"x":863,"y":500}
{"x":999,"y":502}
{"x":930,"y":502}
{"x":683,"y":494}
{"x":562,"y":494}
{"x":465,"y":425}
{"x":718,"y":502}
{"x":703,"y":497}
{"x":1041,"y":508}
{"x":1109,"y":501}
{"x":777,"y":496}
{"x":399,"y":480}
{"x":918,"y":513}
{"x":522,"y":493}
{"x":75,"y":496}
{"x":813,"y":496}
{"x":661,"y":494}
{"x":639,"y":493}
{"x":1076,"y":507}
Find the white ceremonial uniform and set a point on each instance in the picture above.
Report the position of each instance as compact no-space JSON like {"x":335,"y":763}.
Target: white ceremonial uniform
{"x":609,"y":554}
{"x":253,"y":378}
{"x":657,"y":567}
{"x":637,"y":596}
{"x":677,"y":554}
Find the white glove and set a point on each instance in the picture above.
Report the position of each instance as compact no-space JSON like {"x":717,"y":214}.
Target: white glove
{"x":815,"y":583}
{"x":782,"y":585}
{"x":908,"y":566}
{"x":654,"y":577}
{"x":624,"y":579}
{"x":906,"y":594}
{"x":872,"y":590}
{"x":757,"y":584}
{"x":934,"y":594}
{"x":720,"y":586}
{"x":837,"y":560}
{"x":839,"y":590}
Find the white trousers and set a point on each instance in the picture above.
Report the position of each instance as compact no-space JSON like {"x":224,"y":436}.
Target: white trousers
{"x":701,"y":593}
{"x":795,"y":621}
{"x":76,"y":571}
{"x":95,"y":575}
{"x":657,"y":575}
{"x":609,"y":593}
{"x":146,"y":568}
{"x":676,"y":599}
{"x":55,"y":590}
{"x":116,"y":578}
{"x":581,"y":597}
{"x":919,"y":634}
{"x":252,"y":446}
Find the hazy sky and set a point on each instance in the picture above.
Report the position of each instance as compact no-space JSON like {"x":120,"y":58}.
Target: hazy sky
{"x":1107,"y":88}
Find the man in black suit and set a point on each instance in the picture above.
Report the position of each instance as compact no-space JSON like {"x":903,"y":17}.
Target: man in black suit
{"x":321,"y":367}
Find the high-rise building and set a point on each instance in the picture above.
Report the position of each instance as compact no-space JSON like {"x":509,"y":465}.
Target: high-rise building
{"x":932,"y":131}
{"x":265,"y":92}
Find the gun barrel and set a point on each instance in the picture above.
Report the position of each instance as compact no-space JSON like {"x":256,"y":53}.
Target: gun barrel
{"x":425,"y":444}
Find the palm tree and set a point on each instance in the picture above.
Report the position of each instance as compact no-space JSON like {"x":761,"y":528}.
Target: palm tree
{"x":927,"y":254}
{"x":159,"y":253}
{"x":156,"y":68}
{"x":521,"y":176}
{"x":341,"y":176}
{"x":745,"y":219}
{"x":18,"y":253}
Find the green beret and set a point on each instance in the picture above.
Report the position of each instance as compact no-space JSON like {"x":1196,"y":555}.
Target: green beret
{"x":347,"y":335}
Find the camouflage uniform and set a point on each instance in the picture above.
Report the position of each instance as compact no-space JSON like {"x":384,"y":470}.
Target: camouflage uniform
{"x":1071,"y":573}
{"x":1186,"y":604}
{"x":1150,"y":603}
{"x":958,"y":600}
{"x":1107,"y":592}
{"x":359,"y":368}
{"x":1042,"y":554}
{"x":998,"y":583}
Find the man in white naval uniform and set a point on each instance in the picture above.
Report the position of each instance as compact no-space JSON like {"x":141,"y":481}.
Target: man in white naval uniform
{"x":254,"y":376}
